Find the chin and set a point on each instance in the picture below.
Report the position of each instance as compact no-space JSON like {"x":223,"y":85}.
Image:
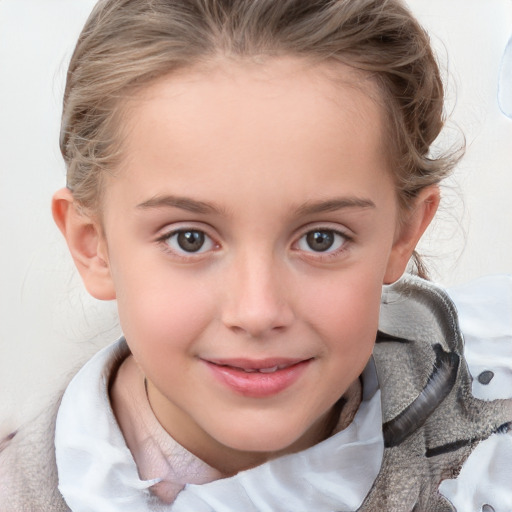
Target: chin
{"x":264,"y":440}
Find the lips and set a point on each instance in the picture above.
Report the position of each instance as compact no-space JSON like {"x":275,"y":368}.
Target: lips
{"x":258,"y":379}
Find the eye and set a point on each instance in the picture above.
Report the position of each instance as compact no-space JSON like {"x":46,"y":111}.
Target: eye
{"x":322,"y":240}
{"x":191,"y":241}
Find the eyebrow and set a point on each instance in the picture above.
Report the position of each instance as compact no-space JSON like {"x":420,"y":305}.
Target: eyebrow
{"x":204,"y":207}
{"x":184,"y":203}
{"x":331,"y":205}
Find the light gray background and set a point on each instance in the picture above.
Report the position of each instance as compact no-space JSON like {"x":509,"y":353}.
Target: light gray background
{"x":48,"y":323}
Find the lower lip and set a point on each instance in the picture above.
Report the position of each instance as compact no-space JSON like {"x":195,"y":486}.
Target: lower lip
{"x":257,"y":384}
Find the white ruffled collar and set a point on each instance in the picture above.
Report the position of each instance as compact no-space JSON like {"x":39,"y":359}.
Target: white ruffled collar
{"x":97,"y":470}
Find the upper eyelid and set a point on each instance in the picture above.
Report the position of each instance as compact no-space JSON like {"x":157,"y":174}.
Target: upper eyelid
{"x":324,"y":226}
{"x":169,"y":229}
{"x":344,"y":235}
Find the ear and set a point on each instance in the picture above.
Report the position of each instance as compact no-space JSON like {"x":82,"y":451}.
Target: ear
{"x":416,"y":221}
{"x":86,"y":243}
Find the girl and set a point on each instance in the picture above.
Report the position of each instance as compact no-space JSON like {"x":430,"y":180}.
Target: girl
{"x":243,"y":177}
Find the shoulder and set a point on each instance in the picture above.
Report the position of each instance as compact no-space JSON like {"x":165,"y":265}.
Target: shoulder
{"x":28,"y":468}
{"x":28,"y":474}
{"x":434,"y":422}
{"x":484,"y":309}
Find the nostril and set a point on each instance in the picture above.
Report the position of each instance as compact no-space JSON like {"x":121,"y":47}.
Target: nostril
{"x":252,"y":331}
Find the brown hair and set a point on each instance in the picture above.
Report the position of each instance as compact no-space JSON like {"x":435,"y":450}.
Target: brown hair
{"x":127,"y":44}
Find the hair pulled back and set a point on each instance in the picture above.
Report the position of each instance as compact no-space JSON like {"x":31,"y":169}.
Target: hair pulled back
{"x":127,"y":44}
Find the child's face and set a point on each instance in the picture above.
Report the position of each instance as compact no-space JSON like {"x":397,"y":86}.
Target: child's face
{"x":251,"y":226}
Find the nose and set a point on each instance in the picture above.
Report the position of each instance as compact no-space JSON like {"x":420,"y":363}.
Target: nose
{"x":256,"y":298}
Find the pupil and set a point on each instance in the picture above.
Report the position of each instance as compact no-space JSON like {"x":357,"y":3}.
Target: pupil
{"x":320,"y":240}
{"x":190,"y":241}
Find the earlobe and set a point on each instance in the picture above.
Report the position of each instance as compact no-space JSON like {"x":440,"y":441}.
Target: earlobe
{"x":86,"y":243}
{"x":410,"y":231}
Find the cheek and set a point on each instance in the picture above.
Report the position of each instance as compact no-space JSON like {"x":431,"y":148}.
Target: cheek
{"x":163,"y":312}
{"x":346,"y":313}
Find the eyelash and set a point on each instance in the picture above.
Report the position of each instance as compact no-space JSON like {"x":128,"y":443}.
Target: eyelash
{"x":164,"y":241}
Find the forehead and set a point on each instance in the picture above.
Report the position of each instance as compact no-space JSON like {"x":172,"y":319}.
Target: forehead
{"x":281,"y":121}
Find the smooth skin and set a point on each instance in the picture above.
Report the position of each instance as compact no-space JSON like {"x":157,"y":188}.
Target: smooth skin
{"x":254,"y":216}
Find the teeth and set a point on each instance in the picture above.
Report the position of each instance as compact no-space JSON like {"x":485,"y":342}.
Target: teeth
{"x":269,"y":370}
{"x":263,"y":370}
